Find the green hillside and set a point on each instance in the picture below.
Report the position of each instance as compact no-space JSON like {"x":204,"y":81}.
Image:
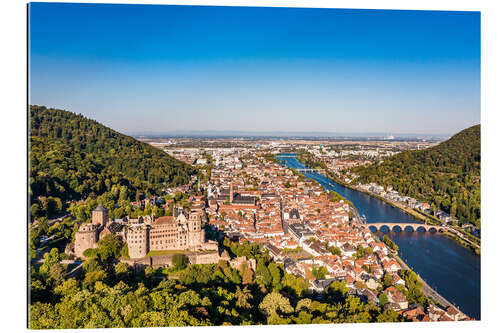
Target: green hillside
{"x":73,"y":157}
{"x":446,"y":176}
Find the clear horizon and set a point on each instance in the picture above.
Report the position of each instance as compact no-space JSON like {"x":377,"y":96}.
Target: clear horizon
{"x":161,"y":68}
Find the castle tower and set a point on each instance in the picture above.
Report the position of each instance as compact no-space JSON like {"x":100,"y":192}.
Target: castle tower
{"x":85,"y":238}
{"x":194,"y":222}
{"x":196,"y":234}
{"x":138,"y":241}
{"x":100,"y":216}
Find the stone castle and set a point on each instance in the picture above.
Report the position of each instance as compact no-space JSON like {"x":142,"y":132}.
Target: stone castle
{"x":88,"y":234}
{"x":182,"y":231}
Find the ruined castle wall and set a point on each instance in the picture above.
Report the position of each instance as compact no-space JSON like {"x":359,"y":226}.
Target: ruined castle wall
{"x":204,"y":258}
{"x":85,"y":238}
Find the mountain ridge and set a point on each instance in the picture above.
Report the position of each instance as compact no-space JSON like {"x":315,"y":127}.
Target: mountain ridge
{"x":72,"y":157}
{"x":447,"y":176}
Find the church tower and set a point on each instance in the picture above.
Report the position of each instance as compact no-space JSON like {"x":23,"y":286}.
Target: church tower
{"x":231,"y":193}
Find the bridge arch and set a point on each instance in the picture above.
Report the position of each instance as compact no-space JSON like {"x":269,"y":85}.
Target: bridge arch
{"x":421,"y":228}
{"x":409,"y":228}
{"x":397,"y":228}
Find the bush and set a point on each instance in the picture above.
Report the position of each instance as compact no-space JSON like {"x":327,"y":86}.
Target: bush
{"x":90,"y":253}
{"x":91,"y":265}
{"x":390,"y":243}
{"x":382,"y":299}
{"x":180,"y":261}
{"x":124,"y":251}
{"x":319,"y":272}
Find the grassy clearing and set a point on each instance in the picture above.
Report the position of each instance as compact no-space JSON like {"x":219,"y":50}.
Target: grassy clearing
{"x":297,"y":255}
{"x":172,"y":252}
{"x":165,"y":252}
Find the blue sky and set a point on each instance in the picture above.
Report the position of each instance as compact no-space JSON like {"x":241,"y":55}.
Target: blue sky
{"x":152,"y":68}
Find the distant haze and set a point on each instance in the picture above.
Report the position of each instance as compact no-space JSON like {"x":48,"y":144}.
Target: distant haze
{"x":193,"y":69}
{"x":289,"y":134}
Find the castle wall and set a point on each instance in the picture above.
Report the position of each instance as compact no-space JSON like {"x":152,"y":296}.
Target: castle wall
{"x":210,"y":245}
{"x":204,"y":258}
{"x":194,"y":258}
{"x":161,"y":261}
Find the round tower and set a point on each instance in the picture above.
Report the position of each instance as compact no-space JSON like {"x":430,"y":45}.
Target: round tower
{"x":85,"y":238}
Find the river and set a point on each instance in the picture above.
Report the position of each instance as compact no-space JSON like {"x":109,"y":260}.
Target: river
{"x":450,"y":269}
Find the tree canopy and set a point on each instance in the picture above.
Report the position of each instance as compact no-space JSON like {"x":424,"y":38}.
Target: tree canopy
{"x":446,"y":176}
{"x":114,"y":295}
{"x":72,"y":157}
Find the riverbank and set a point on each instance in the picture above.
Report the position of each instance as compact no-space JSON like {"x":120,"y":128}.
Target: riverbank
{"x":473,"y":247}
{"x":407,"y":210}
{"x":427,"y":290}
{"x":452,"y":233}
{"x":459,"y":236}
{"x":313,"y":164}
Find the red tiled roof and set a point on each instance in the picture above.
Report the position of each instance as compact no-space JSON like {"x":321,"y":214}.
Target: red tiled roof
{"x":164,"y":220}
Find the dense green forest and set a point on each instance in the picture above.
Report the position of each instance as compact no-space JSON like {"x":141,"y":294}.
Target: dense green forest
{"x":111,"y":294}
{"x":446,"y":176}
{"x":72,"y":157}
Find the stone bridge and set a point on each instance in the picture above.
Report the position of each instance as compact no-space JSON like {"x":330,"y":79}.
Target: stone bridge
{"x":311,"y":171}
{"x":403,"y":226}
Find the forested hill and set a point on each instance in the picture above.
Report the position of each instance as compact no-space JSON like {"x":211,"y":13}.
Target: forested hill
{"x":446,"y":176}
{"x":73,"y":157}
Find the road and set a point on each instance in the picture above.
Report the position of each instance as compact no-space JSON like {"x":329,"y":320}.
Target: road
{"x":66,"y":261}
{"x":463,"y":237}
{"x":51,"y":222}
